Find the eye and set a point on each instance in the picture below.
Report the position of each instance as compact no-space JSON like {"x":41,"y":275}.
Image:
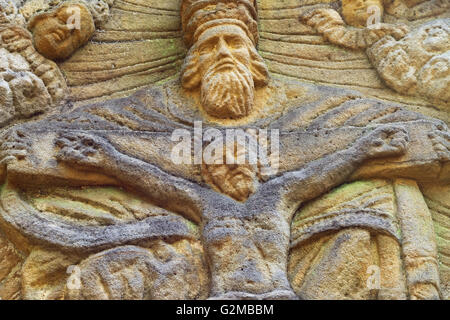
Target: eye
{"x":205,"y":49}
{"x":235,"y":43}
{"x":63,"y":17}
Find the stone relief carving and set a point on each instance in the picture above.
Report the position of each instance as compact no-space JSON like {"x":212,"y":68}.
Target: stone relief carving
{"x":223,"y":60}
{"x":30,"y":84}
{"x":329,"y":23}
{"x":61,"y":27}
{"x":9,"y":13}
{"x":93,"y":206}
{"x":420,"y":60}
{"x":412,"y":63}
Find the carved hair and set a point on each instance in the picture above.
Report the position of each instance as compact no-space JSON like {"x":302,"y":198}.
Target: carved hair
{"x":98,"y":8}
{"x":199,"y":15}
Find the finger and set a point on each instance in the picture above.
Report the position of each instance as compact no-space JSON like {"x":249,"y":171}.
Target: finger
{"x":391,"y":150}
{"x":445,"y":156}
{"x":389,"y":130}
{"x":13,"y":145}
{"x":7,"y":160}
{"x":62,"y":142}
{"x":444,"y":134}
{"x":401,"y":135}
{"x":401,"y":129}
{"x":378,"y":142}
{"x":88,"y":151}
{"x":441,"y":127}
{"x":12,"y":156}
{"x":401,"y":143}
{"x":444,"y":142}
{"x":14,"y":153}
{"x":440,"y":147}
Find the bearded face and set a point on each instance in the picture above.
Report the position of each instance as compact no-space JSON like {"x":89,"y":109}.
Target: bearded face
{"x":226,"y":66}
{"x":228,"y":89}
{"x":238,"y":179}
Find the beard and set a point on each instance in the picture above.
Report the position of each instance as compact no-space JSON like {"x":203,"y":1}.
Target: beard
{"x":238,"y":183}
{"x":227,"y":90}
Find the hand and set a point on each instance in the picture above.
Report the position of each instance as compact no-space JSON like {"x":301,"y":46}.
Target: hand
{"x":380,"y":30}
{"x":83,"y":149}
{"x":16,"y":145}
{"x":440,"y":138}
{"x":384,"y":141}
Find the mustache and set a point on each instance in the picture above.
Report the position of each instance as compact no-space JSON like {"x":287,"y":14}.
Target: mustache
{"x":240,"y":170}
{"x":235,"y":177}
{"x":228,"y":61}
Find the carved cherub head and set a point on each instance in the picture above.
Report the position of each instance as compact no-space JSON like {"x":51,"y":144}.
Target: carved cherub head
{"x":222,"y":59}
{"x":417,"y":64}
{"x":358,"y":12}
{"x":59,"y":33}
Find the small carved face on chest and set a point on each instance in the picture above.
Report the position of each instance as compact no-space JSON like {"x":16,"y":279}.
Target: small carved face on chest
{"x":59,"y":33}
{"x":236,"y":180}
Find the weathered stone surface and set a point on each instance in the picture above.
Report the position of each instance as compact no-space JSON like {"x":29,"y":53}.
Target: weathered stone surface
{"x":419,"y":247}
{"x":318,"y":257}
{"x":163,"y":271}
{"x":59,"y":33}
{"x":417,"y":64}
{"x":44,"y":274}
{"x":437,"y":199}
{"x":94,"y":206}
{"x":10,"y":267}
{"x":29,"y":83}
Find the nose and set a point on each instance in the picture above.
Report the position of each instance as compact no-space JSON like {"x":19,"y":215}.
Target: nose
{"x":222,"y":50}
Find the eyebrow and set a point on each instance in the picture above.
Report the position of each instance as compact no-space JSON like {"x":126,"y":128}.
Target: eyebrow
{"x":227,"y":36}
{"x":234,"y":36}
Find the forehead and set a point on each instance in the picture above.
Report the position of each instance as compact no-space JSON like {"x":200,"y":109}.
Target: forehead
{"x":220,"y":31}
{"x":61,"y":11}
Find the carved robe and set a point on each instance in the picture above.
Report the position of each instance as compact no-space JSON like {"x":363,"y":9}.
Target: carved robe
{"x":314,"y":121}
